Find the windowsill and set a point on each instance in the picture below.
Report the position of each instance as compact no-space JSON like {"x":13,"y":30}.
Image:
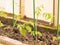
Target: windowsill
{"x":41,"y":23}
{"x":22,"y":21}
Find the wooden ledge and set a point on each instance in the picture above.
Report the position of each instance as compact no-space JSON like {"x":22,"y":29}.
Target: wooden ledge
{"x":8,"y":20}
{"x":9,"y":41}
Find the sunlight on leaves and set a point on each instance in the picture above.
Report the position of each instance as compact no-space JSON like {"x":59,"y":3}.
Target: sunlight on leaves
{"x":39,"y":10}
{"x":47,"y":15}
{"x":1,"y":24}
{"x":3,"y":14}
{"x":39,"y":33}
{"x":22,"y":30}
{"x":29,"y":28}
{"x":17,"y":16}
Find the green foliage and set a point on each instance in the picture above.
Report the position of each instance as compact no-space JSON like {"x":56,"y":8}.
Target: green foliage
{"x":1,"y":24}
{"x":3,"y":14}
{"x":47,"y":15}
{"x":39,"y":10}
{"x":22,"y":30}
{"x":28,"y":28}
{"x":37,"y":33}
{"x":17,"y":17}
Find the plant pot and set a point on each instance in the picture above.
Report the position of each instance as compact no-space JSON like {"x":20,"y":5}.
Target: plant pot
{"x":9,"y":41}
{"x":8,"y":21}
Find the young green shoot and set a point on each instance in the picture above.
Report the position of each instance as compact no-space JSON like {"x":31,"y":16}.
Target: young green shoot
{"x":48,"y":16}
{"x":1,"y":24}
{"x":23,"y":28}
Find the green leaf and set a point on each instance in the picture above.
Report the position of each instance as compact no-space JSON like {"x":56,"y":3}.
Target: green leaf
{"x":39,"y":33}
{"x":17,"y":16}
{"x":3,"y":14}
{"x":32,"y":33}
{"x":1,"y":24}
{"x":38,"y":11}
{"x":22,"y":31}
{"x":18,"y":25}
{"x":48,"y":16}
{"x":29,"y":28}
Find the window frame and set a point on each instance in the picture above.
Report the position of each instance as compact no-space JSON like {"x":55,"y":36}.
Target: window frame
{"x":55,"y":12}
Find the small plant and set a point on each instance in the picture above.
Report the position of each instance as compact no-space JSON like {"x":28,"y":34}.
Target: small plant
{"x":37,"y":33}
{"x":38,"y":12}
{"x":17,"y":17}
{"x":23,"y":28}
{"x":48,"y":16}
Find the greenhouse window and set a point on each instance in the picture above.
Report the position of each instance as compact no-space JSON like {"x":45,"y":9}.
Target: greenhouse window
{"x":50,"y":10}
{"x":26,"y":9}
{"x":7,"y":6}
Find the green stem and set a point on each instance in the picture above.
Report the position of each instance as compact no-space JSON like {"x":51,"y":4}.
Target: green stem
{"x":34,"y":19}
{"x":13,"y":11}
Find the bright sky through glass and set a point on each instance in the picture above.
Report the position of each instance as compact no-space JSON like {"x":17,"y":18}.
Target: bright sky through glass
{"x":48,"y":7}
{"x":6,"y":5}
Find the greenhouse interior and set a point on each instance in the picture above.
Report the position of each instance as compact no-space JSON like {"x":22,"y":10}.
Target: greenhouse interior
{"x":29,"y":22}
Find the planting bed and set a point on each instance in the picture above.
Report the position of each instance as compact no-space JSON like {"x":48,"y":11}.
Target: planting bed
{"x":46,"y":39}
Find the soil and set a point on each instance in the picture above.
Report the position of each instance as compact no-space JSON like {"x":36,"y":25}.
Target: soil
{"x":46,"y":39}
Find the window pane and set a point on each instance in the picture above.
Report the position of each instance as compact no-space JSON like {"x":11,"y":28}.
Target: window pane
{"x":48,"y":8}
{"x":6,"y":5}
{"x":29,"y":8}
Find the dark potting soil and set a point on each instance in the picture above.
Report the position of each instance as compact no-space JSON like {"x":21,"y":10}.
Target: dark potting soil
{"x":46,"y":39}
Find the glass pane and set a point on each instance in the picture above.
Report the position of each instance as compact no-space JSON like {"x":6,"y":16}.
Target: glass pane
{"x":29,"y":8}
{"x":6,"y":5}
{"x":48,"y":8}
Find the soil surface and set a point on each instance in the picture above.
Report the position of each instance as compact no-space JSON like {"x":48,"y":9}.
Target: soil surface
{"x":46,"y":39}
